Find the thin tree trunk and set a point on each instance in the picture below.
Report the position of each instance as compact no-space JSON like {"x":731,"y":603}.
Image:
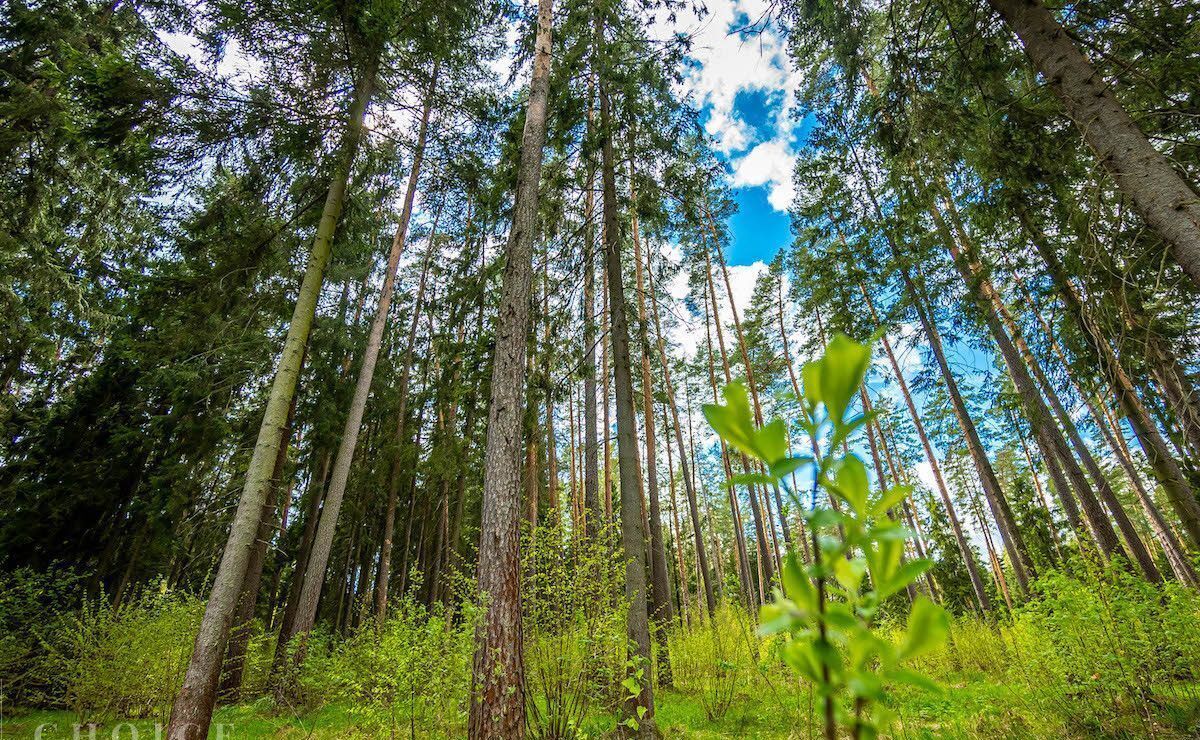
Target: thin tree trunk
{"x":306,"y":613}
{"x":935,"y":467}
{"x":682,"y":577}
{"x":191,"y":713}
{"x":993,"y":307}
{"x":1158,"y":193}
{"x":741,"y":551}
{"x":498,"y":697}
{"x":1181,"y":566}
{"x":688,"y":484}
{"x":633,"y":538}
{"x":384,"y":572}
{"x":660,"y":589}
{"x":235,"y":653}
{"x":1166,"y":469}
{"x":1014,"y":544}
{"x":765,"y":574}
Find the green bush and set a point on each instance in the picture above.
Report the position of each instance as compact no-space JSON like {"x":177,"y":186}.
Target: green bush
{"x":413,"y":672}
{"x":107,"y":662}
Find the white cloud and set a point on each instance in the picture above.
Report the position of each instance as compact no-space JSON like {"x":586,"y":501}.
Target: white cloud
{"x":728,"y":64}
{"x":769,"y":164}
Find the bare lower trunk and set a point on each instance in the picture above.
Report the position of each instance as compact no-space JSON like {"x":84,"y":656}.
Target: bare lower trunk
{"x":306,"y":612}
{"x":384,"y":572}
{"x":765,"y":573}
{"x":633,"y":538}
{"x":191,"y":714}
{"x":997,"y":316}
{"x":498,"y":693}
{"x":1166,"y":469}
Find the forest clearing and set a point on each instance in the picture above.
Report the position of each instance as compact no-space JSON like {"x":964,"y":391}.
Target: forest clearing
{"x":568,"y":369}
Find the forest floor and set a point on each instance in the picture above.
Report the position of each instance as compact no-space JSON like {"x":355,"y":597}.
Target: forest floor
{"x":971,"y":709}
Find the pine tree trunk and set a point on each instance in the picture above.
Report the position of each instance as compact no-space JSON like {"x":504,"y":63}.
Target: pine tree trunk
{"x":1181,"y":566}
{"x":235,"y":653}
{"x":681,"y":579}
{"x":660,"y":589}
{"x":685,"y":473}
{"x":633,"y":537}
{"x":765,"y":574}
{"x":1049,"y":438}
{"x":1014,"y":544}
{"x":745,"y":352}
{"x":1158,"y":193}
{"x":934,"y":466}
{"x":741,"y":551}
{"x":191,"y":713}
{"x":1166,"y":469}
{"x":306,"y":612}
{"x":973,"y":272}
{"x":498,"y":694}
{"x":383,"y":573}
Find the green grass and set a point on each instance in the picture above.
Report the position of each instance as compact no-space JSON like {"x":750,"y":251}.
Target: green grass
{"x":972,"y":707}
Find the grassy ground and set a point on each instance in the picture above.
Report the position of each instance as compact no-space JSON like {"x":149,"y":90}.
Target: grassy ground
{"x":970,"y":709}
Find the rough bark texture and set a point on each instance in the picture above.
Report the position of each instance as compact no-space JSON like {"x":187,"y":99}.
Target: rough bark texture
{"x":498,"y":696}
{"x":1167,"y":203}
{"x":191,"y":714}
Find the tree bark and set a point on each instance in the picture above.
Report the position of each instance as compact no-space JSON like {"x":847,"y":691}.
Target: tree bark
{"x":1158,"y":193}
{"x":685,"y":473}
{"x":660,"y":588}
{"x":498,"y":696}
{"x":1048,"y":436}
{"x":1014,"y":544}
{"x":384,"y":572}
{"x":935,"y":467}
{"x":191,"y":713}
{"x":973,"y":272}
{"x":765,"y":574}
{"x":1166,"y":469}
{"x":306,"y":612}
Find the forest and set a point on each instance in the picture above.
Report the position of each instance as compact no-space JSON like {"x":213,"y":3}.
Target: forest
{"x":568,"y":369}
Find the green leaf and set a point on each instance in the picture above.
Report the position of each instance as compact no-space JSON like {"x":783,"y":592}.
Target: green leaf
{"x":771,"y":442}
{"x":851,"y":483}
{"x":842,"y":371}
{"x":850,"y":573}
{"x":632,"y":686}
{"x":866,"y":686}
{"x":749,"y":479}
{"x":890,"y":498}
{"x":928,"y":626}
{"x":811,"y":375}
{"x":789,"y":464}
{"x":800,"y":655}
{"x":733,"y":421}
{"x":796,"y":584}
